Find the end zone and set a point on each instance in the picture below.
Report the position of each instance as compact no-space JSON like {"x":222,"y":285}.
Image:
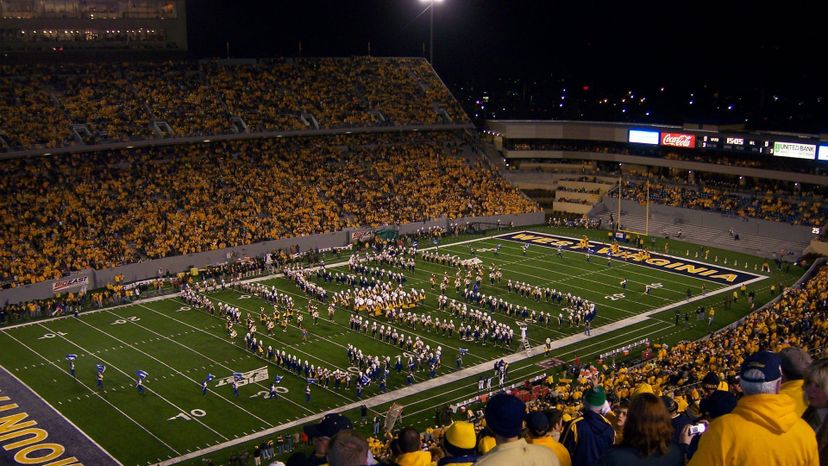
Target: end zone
{"x":55,"y":440}
{"x":653,"y":260}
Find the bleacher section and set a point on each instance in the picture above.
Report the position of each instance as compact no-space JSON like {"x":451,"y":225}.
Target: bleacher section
{"x":103,"y":209}
{"x":39,"y":104}
{"x":756,"y":237}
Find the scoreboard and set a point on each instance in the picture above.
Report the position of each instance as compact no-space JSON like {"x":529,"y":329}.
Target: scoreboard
{"x":736,"y":144}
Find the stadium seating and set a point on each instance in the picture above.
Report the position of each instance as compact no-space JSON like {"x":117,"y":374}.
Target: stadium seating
{"x":28,"y":116}
{"x":104,"y":209}
{"x":771,"y":205}
{"x":120,"y":101}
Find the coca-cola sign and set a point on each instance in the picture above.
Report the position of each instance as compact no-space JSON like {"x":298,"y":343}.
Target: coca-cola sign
{"x":678,"y":140}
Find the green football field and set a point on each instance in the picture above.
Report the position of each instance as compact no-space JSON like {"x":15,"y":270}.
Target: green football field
{"x":178,"y":345}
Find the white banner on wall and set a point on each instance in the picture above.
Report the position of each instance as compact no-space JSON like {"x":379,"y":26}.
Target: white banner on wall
{"x":69,"y":283}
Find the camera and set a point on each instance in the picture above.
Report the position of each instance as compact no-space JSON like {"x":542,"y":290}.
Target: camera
{"x":697,"y":429}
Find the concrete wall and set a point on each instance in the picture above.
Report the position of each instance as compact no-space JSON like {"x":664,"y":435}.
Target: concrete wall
{"x":678,"y":215}
{"x":571,"y":207}
{"x":550,"y":185}
{"x":589,"y":131}
{"x":552,"y":166}
{"x":228,"y":137}
{"x":149,"y":269}
{"x":591,"y":198}
{"x":817,"y":247}
{"x":603,"y":187}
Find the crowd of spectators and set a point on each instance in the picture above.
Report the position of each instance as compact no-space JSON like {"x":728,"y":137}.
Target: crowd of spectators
{"x":104,"y":209}
{"x":28,"y":116}
{"x":802,"y":209}
{"x":569,"y":219}
{"x":120,"y":101}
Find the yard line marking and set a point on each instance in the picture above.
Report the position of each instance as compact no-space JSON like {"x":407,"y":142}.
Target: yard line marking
{"x":545,"y":282}
{"x":600,"y":345}
{"x":63,"y":337}
{"x":225,"y":341}
{"x":341,"y":395}
{"x":471,"y":389}
{"x":474,"y":306}
{"x":323,"y":338}
{"x":458,"y":375}
{"x":61,"y":369}
{"x":422,"y":336}
{"x":548,"y":251}
{"x":202,"y":368}
{"x":371,"y":402}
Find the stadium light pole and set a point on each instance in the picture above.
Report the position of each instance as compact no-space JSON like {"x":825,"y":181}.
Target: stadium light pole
{"x":431,"y":30}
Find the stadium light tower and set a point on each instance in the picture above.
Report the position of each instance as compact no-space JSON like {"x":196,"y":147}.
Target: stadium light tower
{"x":431,"y":30}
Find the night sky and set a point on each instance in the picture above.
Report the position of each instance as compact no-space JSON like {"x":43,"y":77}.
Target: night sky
{"x":623,"y":44}
{"x":524,"y":37}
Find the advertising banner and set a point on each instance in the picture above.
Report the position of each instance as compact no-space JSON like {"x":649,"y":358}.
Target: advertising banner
{"x":687,"y":141}
{"x":794,"y":150}
{"x":65,"y":284}
{"x":643,"y":136}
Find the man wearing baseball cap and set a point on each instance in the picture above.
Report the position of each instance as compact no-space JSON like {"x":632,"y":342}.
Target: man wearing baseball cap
{"x":590,"y":435}
{"x":764,"y":428}
{"x":504,"y":417}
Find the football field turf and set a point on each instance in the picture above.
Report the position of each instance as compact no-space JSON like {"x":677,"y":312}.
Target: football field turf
{"x":178,"y":345}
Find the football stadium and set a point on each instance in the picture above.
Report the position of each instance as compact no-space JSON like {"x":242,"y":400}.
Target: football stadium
{"x":344,"y":259}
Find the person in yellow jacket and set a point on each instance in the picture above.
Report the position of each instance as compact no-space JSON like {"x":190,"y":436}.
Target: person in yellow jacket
{"x":763,"y":429}
{"x":411,"y":453}
{"x":794,"y":363}
{"x":537,"y":428}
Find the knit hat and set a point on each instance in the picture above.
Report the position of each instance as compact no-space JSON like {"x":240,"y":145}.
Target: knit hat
{"x":794,"y":362}
{"x":461,"y":436}
{"x":710,"y":380}
{"x":537,"y":423}
{"x":718,"y":403}
{"x":504,"y":415}
{"x":595,"y":397}
{"x":766,"y":362}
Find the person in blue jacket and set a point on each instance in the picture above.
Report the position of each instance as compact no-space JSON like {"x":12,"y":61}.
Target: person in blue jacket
{"x":589,"y":436}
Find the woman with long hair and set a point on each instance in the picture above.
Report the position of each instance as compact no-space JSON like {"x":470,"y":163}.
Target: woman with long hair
{"x":647,"y":436}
